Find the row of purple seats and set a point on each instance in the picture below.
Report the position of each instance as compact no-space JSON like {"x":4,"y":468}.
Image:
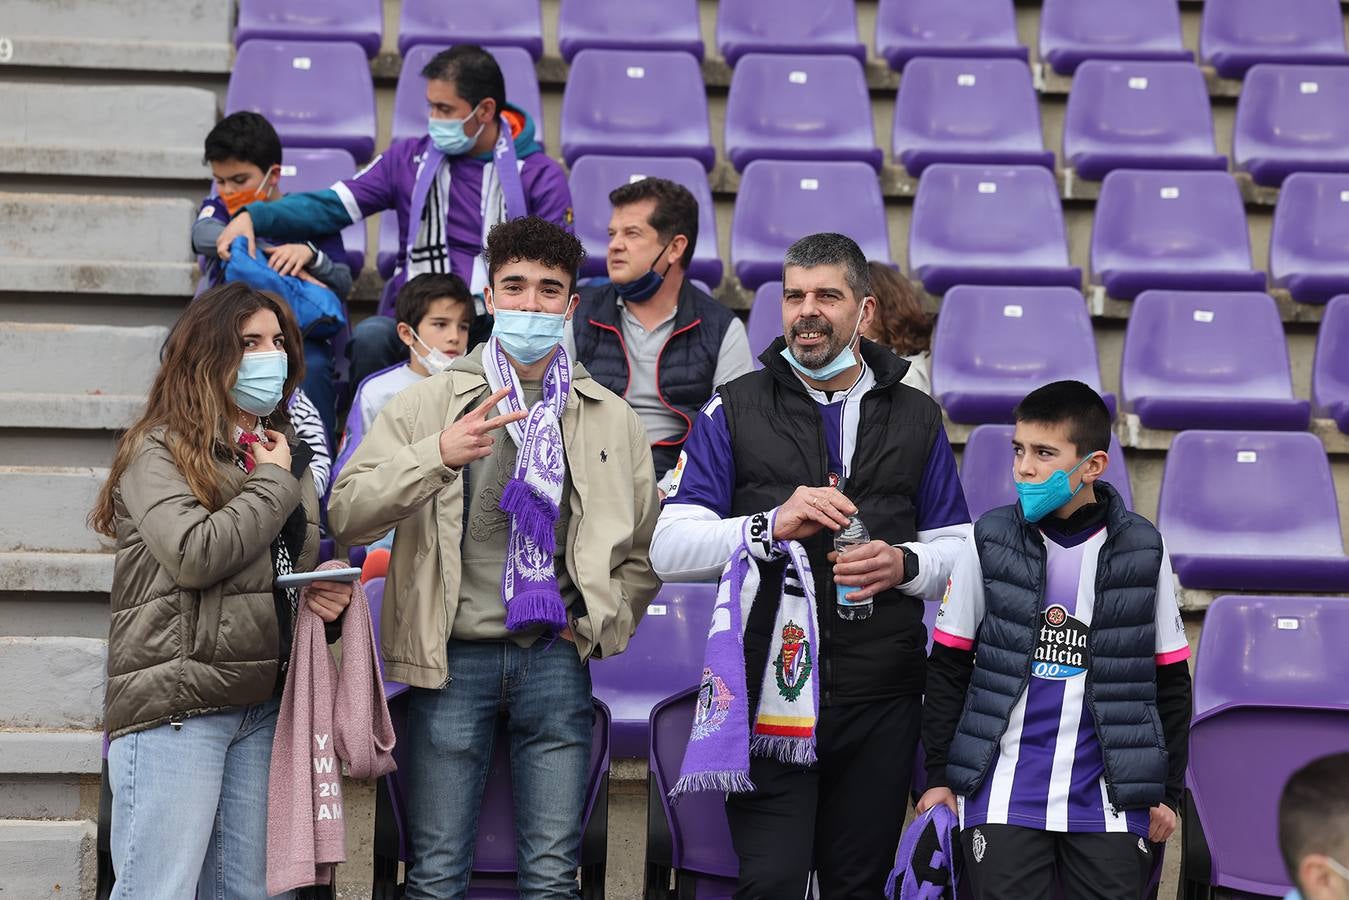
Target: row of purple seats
{"x":1269,"y":679}
{"x":1235,"y":34}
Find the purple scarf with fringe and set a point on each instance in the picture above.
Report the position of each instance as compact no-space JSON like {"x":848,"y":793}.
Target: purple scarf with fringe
{"x":722,"y":737}
{"x":925,"y":863}
{"x":533,"y":496}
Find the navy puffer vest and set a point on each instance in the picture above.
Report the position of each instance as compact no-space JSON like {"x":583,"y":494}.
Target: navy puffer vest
{"x":1121,"y":688}
{"x":685,"y":368}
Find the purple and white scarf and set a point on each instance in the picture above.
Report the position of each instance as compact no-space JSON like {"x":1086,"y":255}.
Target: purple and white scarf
{"x":533,"y":496}
{"x":722,"y":738}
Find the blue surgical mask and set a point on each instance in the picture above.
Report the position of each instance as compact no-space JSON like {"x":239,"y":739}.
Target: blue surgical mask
{"x":645,"y":287}
{"x":1040,"y":498}
{"x":845,"y":360}
{"x":261,"y":382}
{"x":449,"y":136}
{"x":528,"y":336}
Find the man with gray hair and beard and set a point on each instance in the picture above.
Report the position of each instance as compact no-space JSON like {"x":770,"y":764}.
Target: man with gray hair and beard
{"x":778,"y":463}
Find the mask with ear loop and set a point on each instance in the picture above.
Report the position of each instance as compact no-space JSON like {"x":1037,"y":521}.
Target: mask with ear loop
{"x":239,"y":199}
{"x":844,"y":361}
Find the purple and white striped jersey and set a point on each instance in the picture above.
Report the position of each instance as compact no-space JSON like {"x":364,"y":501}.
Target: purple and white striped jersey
{"x":1048,"y":773}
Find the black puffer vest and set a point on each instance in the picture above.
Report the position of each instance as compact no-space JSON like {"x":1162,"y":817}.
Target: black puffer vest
{"x":1121,"y":688}
{"x":685,"y":368}
{"x":778,"y":444}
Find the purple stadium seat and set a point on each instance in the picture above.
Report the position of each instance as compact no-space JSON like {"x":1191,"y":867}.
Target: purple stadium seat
{"x":1138,"y":115}
{"x":988,"y":225}
{"x":1073,"y":31}
{"x":982,"y":111}
{"x":636,"y":103}
{"x":663,"y":657}
{"x":1292,"y":119}
{"x":788,"y":26}
{"x":986,"y":469}
{"x":629,"y":25}
{"x":593,"y":177}
{"x":512,"y":23}
{"x":972,"y":28}
{"x":1310,"y":239}
{"x":1195,"y":359}
{"x":1252,"y":511}
{"x":1330,"y":369}
{"x":1237,"y":34}
{"x":994,"y":345}
{"x":688,"y":843}
{"x":360,"y":21}
{"x":409,"y":100}
{"x":315,"y":93}
{"x":1171,"y":230}
{"x":765,"y":319}
{"x":494,"y":856}
{"x":316,"y":170}
{"x":781,"y":202}
{"x":1269,"y":679}
{"x":799,"y":107}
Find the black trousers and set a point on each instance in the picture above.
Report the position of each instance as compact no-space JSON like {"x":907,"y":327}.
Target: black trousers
{"x":1008,"y":862}
{"x":841,"y":816}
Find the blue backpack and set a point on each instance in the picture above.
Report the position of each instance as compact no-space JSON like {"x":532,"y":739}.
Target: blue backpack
{"x":317,"y":309}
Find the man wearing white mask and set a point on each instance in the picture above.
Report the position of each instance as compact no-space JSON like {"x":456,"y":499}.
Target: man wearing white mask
{"x":480,"y":163}
{"x":780,"y":464}
{"x":525,"y":499}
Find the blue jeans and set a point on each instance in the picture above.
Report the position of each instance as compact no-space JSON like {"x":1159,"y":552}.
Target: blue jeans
{"x":545,"y":692}
{"x":320,"y":382}
{"x":189,"y":807}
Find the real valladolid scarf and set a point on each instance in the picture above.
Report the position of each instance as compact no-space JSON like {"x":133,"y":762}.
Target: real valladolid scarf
{"x":722,"y":737}
{"x":533,"y":496}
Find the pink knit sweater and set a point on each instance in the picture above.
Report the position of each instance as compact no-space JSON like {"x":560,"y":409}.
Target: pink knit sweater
{"x":327,"y":717}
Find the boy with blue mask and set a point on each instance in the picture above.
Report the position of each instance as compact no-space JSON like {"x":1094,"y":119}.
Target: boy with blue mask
{"x":534,"y":485}
{"x":1056,"y":716}
{"x":1314,"y":829}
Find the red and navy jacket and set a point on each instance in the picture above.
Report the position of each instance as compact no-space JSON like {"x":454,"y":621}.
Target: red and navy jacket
{"x":685,"y":367}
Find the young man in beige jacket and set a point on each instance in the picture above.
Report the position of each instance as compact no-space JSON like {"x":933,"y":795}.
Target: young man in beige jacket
{"x":510,"y":567}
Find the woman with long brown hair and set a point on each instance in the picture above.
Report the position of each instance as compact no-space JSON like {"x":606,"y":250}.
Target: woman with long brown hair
{"x":901,"y":323}
{"x":209,"y":499}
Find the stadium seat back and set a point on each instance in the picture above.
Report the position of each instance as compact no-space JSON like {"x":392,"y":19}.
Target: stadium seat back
{"x":1310,"y":239}
{"x":983,"y":111}
{"x":1073,"y":31}
{"x":316,"y":170}
{"x":662,"y":658}
{"x":788,"y":26}
{"x":1195,"y":359}
{"x":1330,"y":369}
{"x":906,"y":29}
{"x":765,"y":319}
{"x":629,"y":25}
{"x":514,"y":23}
{"x":360,"y":21}
{"x":1292,"y":119}
{"x":1237,"y":34}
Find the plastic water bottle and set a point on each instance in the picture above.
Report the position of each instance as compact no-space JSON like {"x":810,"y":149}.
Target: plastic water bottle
{"x":854,"y":534}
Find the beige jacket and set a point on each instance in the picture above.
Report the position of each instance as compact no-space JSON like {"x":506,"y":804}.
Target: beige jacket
{"x":196,"y":626}
{"x":396,"y":478}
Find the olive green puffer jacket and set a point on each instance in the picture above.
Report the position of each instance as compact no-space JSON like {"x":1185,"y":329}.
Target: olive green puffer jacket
{"x":196,"y":625}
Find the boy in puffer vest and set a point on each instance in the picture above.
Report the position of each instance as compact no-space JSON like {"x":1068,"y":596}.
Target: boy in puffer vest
{"x":1056,"y":716}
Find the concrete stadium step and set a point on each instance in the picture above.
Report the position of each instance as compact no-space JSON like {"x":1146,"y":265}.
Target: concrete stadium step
{"x":41,"y":859}
{"x":51,"y":572}
{"x":51,"y":683}
{"x":151,"y":35}
{"x":45,"y":509}
{"x":130,"y":131}
{"x":69,"y":243}
{"x":104,"y":390}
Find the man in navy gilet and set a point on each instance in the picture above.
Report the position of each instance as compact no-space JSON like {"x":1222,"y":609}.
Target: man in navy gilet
{"x":650,"y":335}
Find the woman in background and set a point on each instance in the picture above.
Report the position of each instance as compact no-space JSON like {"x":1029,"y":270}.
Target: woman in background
{"x":901,"y":324}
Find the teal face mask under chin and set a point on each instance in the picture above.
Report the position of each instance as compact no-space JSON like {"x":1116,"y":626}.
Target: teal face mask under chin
{"x":845,"y":360}
{"x":1040,"y":498}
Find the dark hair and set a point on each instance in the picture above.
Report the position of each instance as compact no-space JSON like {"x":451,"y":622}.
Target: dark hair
{"x":676,"y":210}
{"x":245,"y":136}
{"x":474,"y":71}
{"x":534,"y":239}
{"x":829,"y":249}
{"x":416,"y":297}
{"x":1074,"y":404}
{"x":901,"y":323}
{"x":1314,"y":812}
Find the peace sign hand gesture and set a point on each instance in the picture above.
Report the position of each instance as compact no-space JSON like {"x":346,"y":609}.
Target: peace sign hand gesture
{"x":470,"y":437}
